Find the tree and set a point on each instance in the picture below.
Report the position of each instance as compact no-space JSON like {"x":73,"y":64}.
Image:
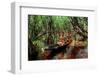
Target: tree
{"x":78,"y":27}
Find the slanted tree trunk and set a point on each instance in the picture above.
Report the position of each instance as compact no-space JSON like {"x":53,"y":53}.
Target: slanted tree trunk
{"x":78,"y":28}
